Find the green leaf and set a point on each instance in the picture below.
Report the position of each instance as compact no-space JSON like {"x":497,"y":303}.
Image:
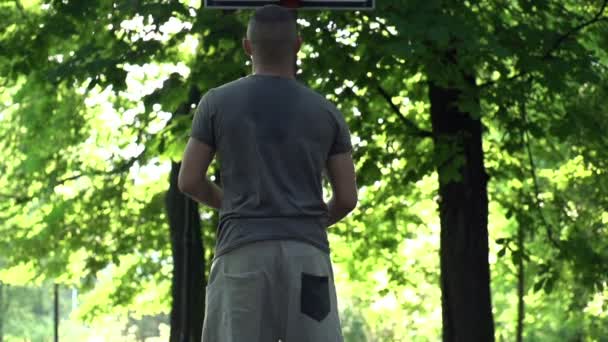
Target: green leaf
{"x":501,"y":252}
{"x":539,"y":284}
{"x":550,"y":284}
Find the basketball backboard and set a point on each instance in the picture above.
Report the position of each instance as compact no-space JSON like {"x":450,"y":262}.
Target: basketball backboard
{"x":299,"y":4}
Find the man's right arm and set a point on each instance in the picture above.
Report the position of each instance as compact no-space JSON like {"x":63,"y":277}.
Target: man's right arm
{"x":342,"y":177}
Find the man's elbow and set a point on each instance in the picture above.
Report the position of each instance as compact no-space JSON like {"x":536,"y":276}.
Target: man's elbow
{"x":348,"y":204}
{"x":352,"y":205}
{"x":185,"y":185}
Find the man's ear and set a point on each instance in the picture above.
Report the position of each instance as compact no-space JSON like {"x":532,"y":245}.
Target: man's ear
{"x":247,"y":47}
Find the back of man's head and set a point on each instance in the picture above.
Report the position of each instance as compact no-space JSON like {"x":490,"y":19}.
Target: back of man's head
{"x":272,"y":31}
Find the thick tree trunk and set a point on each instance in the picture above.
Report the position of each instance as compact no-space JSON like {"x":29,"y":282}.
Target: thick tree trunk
{"x":188,"y":284}
{"x":463,"y":206}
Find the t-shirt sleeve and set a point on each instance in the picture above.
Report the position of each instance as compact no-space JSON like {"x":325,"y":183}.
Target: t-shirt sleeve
{"x":341,"y":143}
{"x":202,"y":124}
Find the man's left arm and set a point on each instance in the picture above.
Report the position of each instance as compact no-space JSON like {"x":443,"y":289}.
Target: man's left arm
{"x":192,"y":179}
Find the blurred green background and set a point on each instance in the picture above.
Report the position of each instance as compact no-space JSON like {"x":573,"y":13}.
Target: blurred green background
{"x":96,"y":101}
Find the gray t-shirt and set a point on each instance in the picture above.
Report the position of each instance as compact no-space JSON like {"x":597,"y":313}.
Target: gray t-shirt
{"x":272,"y":137}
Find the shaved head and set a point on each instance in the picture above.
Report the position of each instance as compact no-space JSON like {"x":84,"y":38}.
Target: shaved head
{"x":272,"y":33}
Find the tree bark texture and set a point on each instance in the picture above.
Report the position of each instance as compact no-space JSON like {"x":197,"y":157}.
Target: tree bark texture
{"x":463,"y":207}
{"x":188,"y":283}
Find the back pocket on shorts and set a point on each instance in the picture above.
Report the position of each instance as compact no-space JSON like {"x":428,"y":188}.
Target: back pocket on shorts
{"x":234,"y":307}
{"x":314,"y":296}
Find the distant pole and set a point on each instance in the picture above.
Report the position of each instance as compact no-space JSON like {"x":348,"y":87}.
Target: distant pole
{"x":56,"y":314}
{"x":2,"y":311}
{"x":74,"y":298}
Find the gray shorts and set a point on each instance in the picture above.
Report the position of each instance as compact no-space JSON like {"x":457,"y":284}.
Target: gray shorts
{"x":269,"y":291}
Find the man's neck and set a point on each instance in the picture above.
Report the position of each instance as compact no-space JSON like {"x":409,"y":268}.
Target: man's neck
{"x":280,"y":72}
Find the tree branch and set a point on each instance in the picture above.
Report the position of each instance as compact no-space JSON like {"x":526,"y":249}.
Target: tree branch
{"x":526,"y":140}
{"x":407,"y":122}
{"x":18,"y":198}
{"x":23,"y":13}
{"x":559,"y":41}
{"x":20,"y":8}
{"x":577,"y":28}
{"x":119,"y":169}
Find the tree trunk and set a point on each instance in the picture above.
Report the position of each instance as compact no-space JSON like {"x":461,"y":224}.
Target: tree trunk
{"x":188,"y":283}
{"x":463,"y":207}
